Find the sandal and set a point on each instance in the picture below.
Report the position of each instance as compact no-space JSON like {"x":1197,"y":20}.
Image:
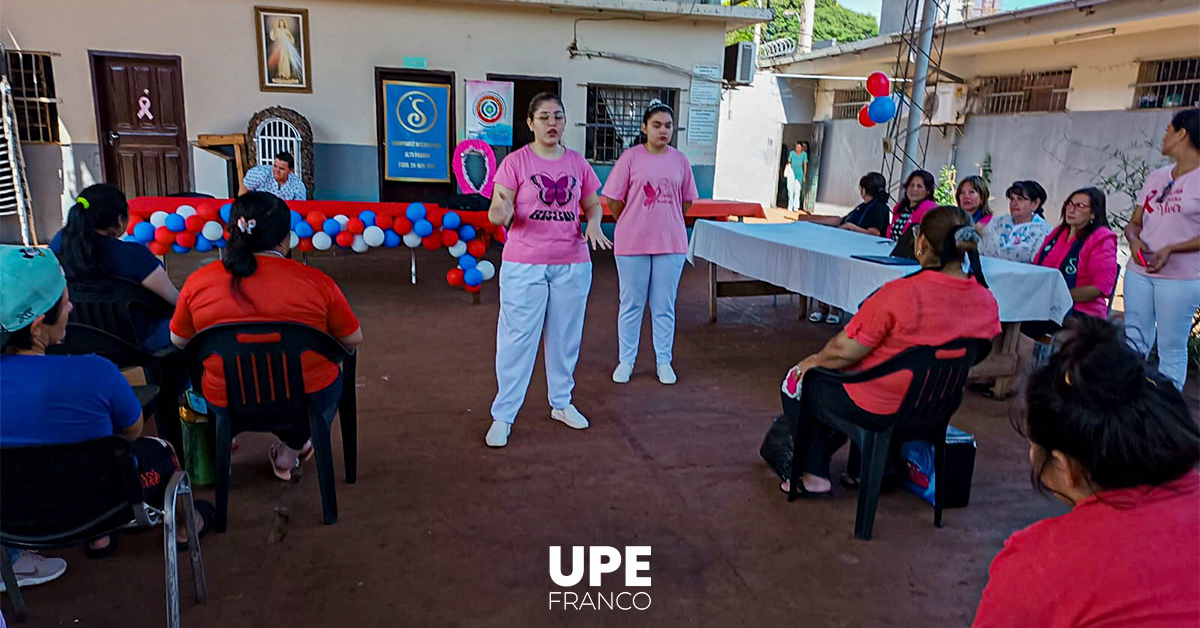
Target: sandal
{"x":815,"y":317}
{"x":303,"y":455}
{"x":103,"y":552}
{"x":209,"y":513}
{"x":805,"y":493}
{"x":833,"y":319}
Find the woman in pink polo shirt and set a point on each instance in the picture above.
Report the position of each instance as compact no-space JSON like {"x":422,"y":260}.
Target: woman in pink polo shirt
{"x":649,"y":191}
{"x":547,"y":271}
{"x":1084,"y":250}
{"x":1163,"y":290}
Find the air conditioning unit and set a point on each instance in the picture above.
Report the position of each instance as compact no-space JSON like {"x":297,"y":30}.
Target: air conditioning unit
{"x":945,"y":104}
{"x":740,"y":62}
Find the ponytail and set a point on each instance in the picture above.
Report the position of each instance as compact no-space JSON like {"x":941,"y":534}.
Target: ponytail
{"x":959,"y":241}
{"x":97,"y":208}
{"x":257,"y":222}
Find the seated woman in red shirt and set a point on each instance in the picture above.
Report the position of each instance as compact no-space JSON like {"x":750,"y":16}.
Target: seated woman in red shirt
{"x":936,"y":305}
{"x":1084,"y":250}
{"x":1114,"y":440}
{"x":255,"y":283}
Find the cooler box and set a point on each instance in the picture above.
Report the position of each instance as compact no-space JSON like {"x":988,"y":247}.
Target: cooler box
{"x":917,"y":473}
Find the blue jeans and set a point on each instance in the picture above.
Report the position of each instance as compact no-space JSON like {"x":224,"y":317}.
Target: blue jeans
{"x":324,"y":401}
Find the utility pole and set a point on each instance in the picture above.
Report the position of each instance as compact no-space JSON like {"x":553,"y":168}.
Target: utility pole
{"x":916,"y":97}
{"x":806,"y":26}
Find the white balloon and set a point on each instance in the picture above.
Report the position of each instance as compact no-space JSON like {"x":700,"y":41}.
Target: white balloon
{"x":412,"y":240}
{"x":321,"y":241}
{"x":187,"y":211}
{"x":359,"y":245}
{"x":158,"y":219}
{"x":373,"y":236}
{"x":295,"y":241}
{"x":487,"y":268}
{"x":342,"y":219}
{"x":211,"y":230}
{"x":459,"y":249}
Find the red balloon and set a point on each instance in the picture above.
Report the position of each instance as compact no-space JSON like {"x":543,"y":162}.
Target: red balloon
{"x":384,"y":221}
{"x":864,"y":118}
{"x":345,"y":239}
{"x":355,"y":226}
{"x":433,"y":242}
{"x":878,"y":84}
{"x":227,"y":235}
{"x":434,"y":219}
{"x":476,"y":248}
{"x":185,"y":239}
{"x":316,"y":220}
{"x":403,"y":226}
{"x":158,"y":248}
{"x":474,"y":288}
{"x":194,"y":223}
{"x":133,"y":221}
{"x":305,"y":245}
{"x":449,"y":237}
{"x":208,"y":211}
{"x":455,"y":277}
{"x":164,"y":235}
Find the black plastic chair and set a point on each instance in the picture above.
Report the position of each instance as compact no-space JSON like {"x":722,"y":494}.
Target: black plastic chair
{"x":62,"y":495}
{"x":939,"y":375}
{"x":264,"y":384}
{"x":116,"y":305}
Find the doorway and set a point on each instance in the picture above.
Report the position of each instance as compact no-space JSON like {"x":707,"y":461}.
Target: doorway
{"x":412,"y":191}
{"x":792,"y":133}
{"x":524,"y":89}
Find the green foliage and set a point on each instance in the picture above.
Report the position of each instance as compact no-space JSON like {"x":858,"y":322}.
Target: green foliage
{"x":1124,"y":172}
{"x":830,"y":21}
{"x":946,"y":184}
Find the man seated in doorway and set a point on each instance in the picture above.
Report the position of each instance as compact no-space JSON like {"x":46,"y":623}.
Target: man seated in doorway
{"x":279,"y":179}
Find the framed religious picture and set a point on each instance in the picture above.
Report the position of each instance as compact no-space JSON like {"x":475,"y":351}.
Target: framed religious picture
{"x":283,"y":50}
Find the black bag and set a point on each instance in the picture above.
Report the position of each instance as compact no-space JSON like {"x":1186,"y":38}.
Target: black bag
{"x":776,"y":449}
{"x":906,"y":245}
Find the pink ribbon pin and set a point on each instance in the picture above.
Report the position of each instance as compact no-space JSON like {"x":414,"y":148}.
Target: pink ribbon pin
{"x":144,"y":110}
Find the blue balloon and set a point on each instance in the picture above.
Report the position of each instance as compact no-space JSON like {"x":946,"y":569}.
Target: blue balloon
{"x":143,"y":231}
{"x":128,"y":238}
{"x":391,"y":239}
{"x":881,"y":109}
{"x":203,"y":244}
{"x":423,"y":227}
{"x":296,"y":219}
{"x":451,"y":220}
{"x":225,"y":212}
{"x":331,"y":226}
{"x":179,"y":248}
{"x":303,"y":230}
{"x":467,"y":261}
{"x":220,"y":244}
{"x":367,"y":218}
{"x":415,"y":212}
{"x":466,"y":233}
{"x":175,"y":223}
{"x":473,"y":277}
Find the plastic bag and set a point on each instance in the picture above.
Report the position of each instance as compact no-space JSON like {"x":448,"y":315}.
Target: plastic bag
{"x":776,"y":448}
{"x":918,"y":476}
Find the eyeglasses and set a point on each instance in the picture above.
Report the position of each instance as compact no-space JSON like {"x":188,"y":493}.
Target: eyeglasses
{"x":1078,"y":205}
{"x":545,"y":117}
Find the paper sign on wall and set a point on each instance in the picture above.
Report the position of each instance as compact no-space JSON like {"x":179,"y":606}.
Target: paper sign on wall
{"x":705,"y":92}
{"x":489,"y":112}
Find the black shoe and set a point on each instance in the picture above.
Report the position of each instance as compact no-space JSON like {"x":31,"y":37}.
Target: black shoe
{"x":206,"y":510}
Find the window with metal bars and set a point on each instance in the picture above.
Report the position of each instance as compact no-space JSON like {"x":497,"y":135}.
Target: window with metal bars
{"x":35,"y":98}
{"x":848,"y":102}
{"x":1167,"y":83}
{"x":1017,"y":93}
{"x":614,"y":118}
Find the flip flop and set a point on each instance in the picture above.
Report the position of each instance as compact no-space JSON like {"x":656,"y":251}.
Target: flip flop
{"x":206,"y":510}
{"x":807,"y":494}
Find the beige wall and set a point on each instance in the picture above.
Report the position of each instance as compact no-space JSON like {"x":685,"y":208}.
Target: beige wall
{"x":216,"y":40}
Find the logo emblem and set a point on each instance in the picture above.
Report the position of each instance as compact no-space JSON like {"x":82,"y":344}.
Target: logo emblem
{"x":416,"y":112}
{"x":489,"y":108}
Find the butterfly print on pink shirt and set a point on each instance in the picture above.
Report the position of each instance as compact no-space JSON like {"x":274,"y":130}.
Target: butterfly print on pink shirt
{"x":552,"y":191}
{"x":663,"y":194}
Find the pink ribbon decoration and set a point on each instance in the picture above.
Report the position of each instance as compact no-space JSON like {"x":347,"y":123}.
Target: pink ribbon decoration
{"x":144,"y":108}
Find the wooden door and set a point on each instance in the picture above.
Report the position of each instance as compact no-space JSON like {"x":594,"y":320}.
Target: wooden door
{"x":411,"y":191}
{"x":140,"y":123}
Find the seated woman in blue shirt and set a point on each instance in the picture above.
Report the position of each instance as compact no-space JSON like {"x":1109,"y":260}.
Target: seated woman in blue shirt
{"x":89,"y":248}
{"x":34,"y":307}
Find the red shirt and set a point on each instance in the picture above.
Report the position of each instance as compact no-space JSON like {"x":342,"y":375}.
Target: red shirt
{"x":1128,"y":557}
{"x":280,"y":290}
{"x":927,"y":308}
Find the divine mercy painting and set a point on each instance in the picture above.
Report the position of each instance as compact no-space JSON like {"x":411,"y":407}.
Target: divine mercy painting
{"x":283,"y":63}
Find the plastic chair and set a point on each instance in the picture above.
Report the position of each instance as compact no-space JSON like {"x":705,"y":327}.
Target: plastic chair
{"x":62,"y":495}
{"x":264,"y":384}
{"x":939,"y":375}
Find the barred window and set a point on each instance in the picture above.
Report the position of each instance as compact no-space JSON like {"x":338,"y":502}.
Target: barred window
{"x":1016,"y":93}
{"x":614,"y":118}
{"x":34,"y":95}
{"x":848,"y":102}
{"x":1167,"y":83}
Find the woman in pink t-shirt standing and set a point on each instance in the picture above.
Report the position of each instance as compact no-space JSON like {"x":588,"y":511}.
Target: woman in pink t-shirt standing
{"x":547,"y":271}
{"x":1163,"y":290}
{"x":649,"y":191}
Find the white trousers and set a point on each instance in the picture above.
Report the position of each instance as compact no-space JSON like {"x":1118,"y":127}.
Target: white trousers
{"x":536,"y":298}
{"x":794,"y":187}
{"x":1162,"y":309}
{"x":655,"y":277}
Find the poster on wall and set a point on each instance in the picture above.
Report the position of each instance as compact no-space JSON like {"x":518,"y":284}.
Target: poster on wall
{"x":416,"y":131}
{"x":489,"y":112}
{"x":283,"y":50}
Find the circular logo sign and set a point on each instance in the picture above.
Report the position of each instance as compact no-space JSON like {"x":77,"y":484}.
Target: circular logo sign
{"x":489,"y":108}
{"x":416,"y":112}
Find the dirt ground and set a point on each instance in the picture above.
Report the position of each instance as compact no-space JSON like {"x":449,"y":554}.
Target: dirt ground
{"x":442,"y":531}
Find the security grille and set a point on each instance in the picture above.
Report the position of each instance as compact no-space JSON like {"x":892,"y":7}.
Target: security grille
{"x":848,"y":102}
{"x":614,"y":118}
{"x":35,"y":99}
{"x":1167,"y":83}
{"x":1017,"y":93}
{"x":274,"y":136}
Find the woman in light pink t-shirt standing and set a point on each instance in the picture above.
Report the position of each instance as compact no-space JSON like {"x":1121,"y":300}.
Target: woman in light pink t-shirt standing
{"x":547,"y":271}
{"x":1162,"y":289}
{"x":649,"y":191}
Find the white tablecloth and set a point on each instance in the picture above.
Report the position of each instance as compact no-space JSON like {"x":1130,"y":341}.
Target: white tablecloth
{"x":814,"y":260}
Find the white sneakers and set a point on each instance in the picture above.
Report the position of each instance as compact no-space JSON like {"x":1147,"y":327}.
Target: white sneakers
{"x":571,"y":417}
{"x":621,"y":375}
{"x":497,"y":434}
{"x":31,"y":568}
{"x":666,"y":374}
